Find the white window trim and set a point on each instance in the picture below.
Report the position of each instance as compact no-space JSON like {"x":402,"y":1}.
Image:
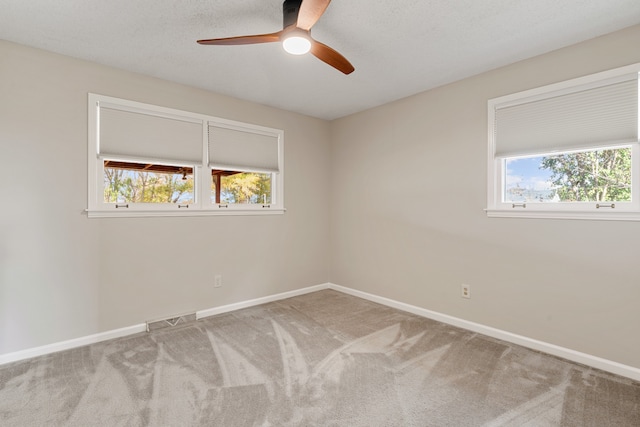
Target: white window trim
{"x":202,"y":177}
{"x":623,"y":211}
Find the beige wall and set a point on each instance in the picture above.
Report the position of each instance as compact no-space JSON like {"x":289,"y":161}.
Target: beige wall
{"x":64,"y":276}
{"x":407,"y":218}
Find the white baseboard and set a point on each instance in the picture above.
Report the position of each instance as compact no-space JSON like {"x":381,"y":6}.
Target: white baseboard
{"x":253,"y":302}
{"x":130,"y":330}
{"x":69,"y":344}
{"x":565,"y":353}
{"x":575,"y":356}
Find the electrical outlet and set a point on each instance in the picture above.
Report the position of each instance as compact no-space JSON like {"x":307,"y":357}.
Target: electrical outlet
{"x":217,"y":281}
{"x":466,"y":291}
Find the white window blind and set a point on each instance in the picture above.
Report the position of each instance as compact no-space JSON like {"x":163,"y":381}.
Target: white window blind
{"x":127,"y":134}
{"x":606,"y":114}
{"x":243,"y":150}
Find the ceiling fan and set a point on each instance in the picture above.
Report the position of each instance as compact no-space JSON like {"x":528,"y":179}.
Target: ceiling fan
{"x":298,"y":18}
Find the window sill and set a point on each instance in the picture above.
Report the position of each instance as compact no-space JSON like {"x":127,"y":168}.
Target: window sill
{"x":139,"y":213}
{"x":575,"y":215}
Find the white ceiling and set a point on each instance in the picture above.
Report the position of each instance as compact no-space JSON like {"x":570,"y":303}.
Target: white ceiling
{"x":398,"y":48}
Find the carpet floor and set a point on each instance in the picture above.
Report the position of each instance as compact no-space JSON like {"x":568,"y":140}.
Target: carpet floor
{"x":321,"y":359}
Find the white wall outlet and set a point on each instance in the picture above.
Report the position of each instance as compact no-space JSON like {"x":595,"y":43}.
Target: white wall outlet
{"x":466,"y":291}
{"x":217,"y":281}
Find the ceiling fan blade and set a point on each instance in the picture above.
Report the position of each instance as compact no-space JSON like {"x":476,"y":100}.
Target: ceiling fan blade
{"x":310,"y":12}
{"x":258,"y":38}
{"x":326,"y":54}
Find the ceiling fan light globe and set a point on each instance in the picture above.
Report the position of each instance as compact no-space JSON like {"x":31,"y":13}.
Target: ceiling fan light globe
{"x":296,"y":45}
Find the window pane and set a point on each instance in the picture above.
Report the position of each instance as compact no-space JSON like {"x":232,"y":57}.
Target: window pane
{"x":126,"y":182}
{"x":586,"y":176}
{"x":240,"y":187}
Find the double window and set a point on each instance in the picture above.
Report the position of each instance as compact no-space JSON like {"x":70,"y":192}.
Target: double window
{"x":146,"y":160}
{"x":568,"y":150}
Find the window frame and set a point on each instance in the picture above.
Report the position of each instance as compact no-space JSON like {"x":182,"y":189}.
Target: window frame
{"x":496,"y":207}
{"x":202,"y":176}
{"x":277,"y":179}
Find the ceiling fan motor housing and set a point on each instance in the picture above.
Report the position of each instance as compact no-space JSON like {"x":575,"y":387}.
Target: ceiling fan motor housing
{"x":290,"y":10}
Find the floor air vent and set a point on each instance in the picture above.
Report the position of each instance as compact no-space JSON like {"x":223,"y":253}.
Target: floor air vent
{"x":154,"y":325}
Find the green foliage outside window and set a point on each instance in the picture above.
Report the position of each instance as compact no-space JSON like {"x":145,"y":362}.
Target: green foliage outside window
{"x":245,"y":188}
{"x":127,"y":186}
{"x":603,"y":175}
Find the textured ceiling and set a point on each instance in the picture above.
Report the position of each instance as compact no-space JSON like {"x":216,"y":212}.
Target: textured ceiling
{"x":398,"y":48}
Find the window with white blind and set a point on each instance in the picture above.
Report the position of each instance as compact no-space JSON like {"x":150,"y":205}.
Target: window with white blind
{"x":146,"y":160}
{"x":245,"y":166}
{"x":568,"y":150}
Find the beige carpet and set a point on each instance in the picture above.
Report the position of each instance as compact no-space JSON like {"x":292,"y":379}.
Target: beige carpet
{"x":322,"y":359}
